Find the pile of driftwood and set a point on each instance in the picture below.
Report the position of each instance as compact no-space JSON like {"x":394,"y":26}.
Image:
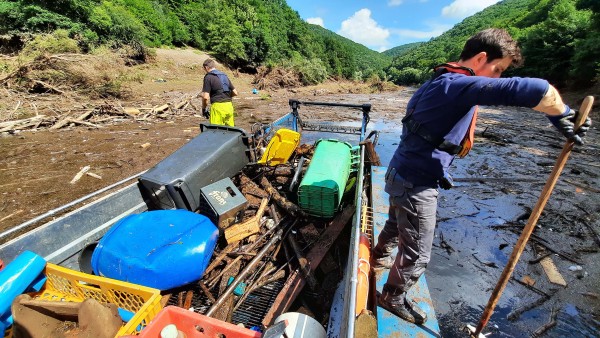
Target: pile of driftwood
{"x":63,"y":75}
{"x":100,"y":116}
{"x":274,"y":241}
{"x":272,"y":78}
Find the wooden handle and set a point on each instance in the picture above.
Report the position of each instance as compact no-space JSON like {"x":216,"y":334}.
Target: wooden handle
{"x":586,"y":106}
{"x":533,"y":218}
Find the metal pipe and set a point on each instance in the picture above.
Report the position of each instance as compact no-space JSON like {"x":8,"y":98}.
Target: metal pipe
{"x":297,"y":173}
{"x":353,"y":263}
{"x":66,"y":206}
{"x":244,"y":272}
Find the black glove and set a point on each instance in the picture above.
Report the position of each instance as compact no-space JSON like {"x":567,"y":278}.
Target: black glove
{"x":206,"y":113}
{"x":565,"y":123}
{"x":446,"y":182}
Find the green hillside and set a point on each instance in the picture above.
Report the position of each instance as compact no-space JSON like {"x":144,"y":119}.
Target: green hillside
{"x":244,"y":34}
{"x":560,"y":40}
{"x":401,"y":50}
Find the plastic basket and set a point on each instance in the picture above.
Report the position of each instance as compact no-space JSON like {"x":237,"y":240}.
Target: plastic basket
{"x":194,"y":325}
{"x":64,"y":284}
{"x":323,"y":185}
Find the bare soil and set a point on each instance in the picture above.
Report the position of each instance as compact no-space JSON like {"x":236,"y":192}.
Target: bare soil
{"x":479,"y":220}
{"x":37,"y":165}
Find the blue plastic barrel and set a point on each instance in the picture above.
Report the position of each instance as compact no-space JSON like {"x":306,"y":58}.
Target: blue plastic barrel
{"x":161,"y":249}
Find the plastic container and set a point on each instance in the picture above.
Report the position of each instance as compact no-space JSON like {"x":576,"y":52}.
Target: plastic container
{"x":195,"y":325}
{"x":64,"y":284}
{"x":161,"y":249}
{"x":301,"y":326}
{"x":281,"y":147}
{"x":175,"y":182}
{"x":21,"y":274}
{"x":323,"y":185}
{"x":222,"y":202}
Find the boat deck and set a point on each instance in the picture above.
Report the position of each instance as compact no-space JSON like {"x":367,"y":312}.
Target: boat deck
{"x":389,"y":325}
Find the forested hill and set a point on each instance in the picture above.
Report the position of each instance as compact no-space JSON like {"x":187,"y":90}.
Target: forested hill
{"x":560,"y":40}
{"x":241,"y":33}
{"x":401,"y":50}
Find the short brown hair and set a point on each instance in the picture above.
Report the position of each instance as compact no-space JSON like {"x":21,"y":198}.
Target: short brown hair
{"x":210,"y":63}
{"x":497,"y":44}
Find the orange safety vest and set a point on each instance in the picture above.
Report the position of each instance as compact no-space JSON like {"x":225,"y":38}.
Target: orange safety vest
{"x":467,"y":142}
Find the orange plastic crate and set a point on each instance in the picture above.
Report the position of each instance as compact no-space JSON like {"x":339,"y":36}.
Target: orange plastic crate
{"x":194,"y":325}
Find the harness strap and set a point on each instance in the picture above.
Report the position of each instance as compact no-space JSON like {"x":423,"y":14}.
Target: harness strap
{"x":440,"y":143}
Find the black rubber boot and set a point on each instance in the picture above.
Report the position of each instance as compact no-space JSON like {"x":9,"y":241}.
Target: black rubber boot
{"x":398,"y":304}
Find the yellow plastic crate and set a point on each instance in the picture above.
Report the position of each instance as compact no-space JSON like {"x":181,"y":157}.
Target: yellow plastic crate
{"x":73,"y":286}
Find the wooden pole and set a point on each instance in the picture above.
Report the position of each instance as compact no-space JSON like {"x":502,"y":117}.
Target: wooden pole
{"x":535,"y":215}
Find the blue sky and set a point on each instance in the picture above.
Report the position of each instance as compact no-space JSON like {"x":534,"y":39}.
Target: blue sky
{"x":384,"y":24}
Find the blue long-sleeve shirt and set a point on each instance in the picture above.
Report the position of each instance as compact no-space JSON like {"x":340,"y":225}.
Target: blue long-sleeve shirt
{"x":441,"y":104}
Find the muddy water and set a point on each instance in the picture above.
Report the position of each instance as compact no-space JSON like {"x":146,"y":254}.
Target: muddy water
{"x":474,"y":240}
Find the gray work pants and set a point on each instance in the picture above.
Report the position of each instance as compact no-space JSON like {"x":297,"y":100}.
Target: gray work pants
{"x":410,"y":226}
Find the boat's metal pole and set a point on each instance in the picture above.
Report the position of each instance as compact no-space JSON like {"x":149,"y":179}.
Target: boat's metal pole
{"x":244,"y":272}
{"x":66,"y":206}
{"x":352,"y":264}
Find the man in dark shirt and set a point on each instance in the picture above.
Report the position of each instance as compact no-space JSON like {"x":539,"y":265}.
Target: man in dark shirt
{"x":439,"y":121}
{"x":218,"y":90}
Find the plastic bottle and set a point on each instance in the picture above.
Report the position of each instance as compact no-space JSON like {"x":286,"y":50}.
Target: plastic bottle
{"x":170,"y":331}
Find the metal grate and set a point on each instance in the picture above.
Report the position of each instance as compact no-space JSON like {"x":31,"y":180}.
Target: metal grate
{"x":331,"y":128}
{"x":254,"y":308}
{"x":250,"y":313}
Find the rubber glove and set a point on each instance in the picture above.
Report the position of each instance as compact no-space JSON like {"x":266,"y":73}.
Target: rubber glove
{"x":565,"y":123}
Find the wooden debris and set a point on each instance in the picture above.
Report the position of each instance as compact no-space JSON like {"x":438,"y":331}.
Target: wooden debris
{"x":80,"y":174}
{"x":550,"y":324}
{"x":131,"y":111}
{"x":162,"y":108}
{"x":145,"y":145}
{"x":295,"y":281}
{"x":11,"y":215}
{"x":217,"y":260}
{"x":528,"y":280}
{"x":280,"y":200}
{"x":249,"y":187}
{"x":515,"y":314}
{"x":207,"y":292}
{"x":552,"y":272}
{"x":187,"y":304}
{"x":21,"y":124}
{"x":304,"y":264}
{"x":43,"y":87}
{"x":94,"y":175}
{"x":165,"y":299}
{"x":370,"y":152}
{"x":237,"y":232}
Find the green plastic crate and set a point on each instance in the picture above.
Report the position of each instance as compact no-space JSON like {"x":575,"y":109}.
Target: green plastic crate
{"x":322,"y":187}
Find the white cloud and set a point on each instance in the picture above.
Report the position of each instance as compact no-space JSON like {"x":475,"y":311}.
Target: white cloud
{"x":434,"y":30}
{"x":316,"y":21}
{"x":461,"y":9}
{"x":394,"y":3}
{"x":361,"y":28}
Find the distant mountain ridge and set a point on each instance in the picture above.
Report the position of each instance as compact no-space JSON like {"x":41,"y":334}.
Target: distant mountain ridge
{"x":560,"y":41}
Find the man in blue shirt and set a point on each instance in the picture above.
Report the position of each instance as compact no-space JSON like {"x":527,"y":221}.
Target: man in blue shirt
{"x":438,"y":126}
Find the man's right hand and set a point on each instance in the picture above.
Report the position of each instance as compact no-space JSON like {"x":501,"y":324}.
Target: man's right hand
{"x":206,"y":113}
{"x":565,"y":123}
